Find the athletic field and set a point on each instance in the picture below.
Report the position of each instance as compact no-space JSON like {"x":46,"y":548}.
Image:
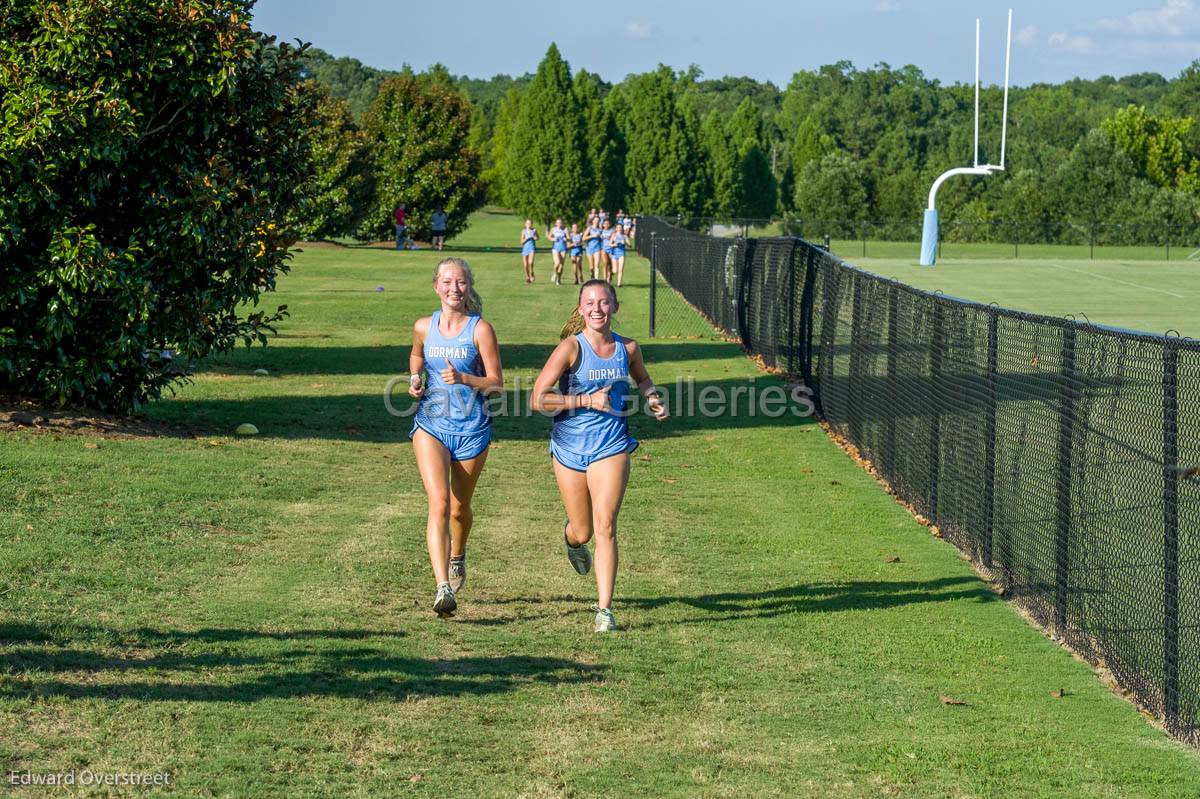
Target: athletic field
{"x":1154,"y":296}
{"x":251,"y":615}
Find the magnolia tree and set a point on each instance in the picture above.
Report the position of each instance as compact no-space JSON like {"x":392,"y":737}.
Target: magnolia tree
{"x":149,"y":154}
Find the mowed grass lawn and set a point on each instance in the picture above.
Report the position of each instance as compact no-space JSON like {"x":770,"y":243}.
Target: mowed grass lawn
{"x":252,"y":615}
{"x":1154,"y":296}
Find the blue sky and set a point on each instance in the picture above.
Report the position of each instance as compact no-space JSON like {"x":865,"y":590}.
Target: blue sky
{"x":1053,"y":40}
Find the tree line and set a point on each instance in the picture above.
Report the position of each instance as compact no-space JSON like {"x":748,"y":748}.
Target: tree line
{"x":837,"y":147}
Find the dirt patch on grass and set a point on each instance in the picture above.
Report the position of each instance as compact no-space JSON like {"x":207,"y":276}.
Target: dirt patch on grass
{"x":17,"y":413}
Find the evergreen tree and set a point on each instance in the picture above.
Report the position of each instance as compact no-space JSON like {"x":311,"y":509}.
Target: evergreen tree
{"x":605,"y":144}
{"x":494,"y":176}
{"x":546,"y":172}
{"x":722,"y":162}
{"x":662,"y":168}
{"x":756,"y":199}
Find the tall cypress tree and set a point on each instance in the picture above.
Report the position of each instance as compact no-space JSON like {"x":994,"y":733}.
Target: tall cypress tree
{"x":546,"y":169}
{"x":495,"y":174}
{"x":757,"y":185}
{"x":605,"y":144}
{"x":662,"y":168}
{"x":721,"y":160}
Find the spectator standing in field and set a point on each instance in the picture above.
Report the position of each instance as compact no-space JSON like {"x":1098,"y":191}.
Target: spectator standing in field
{"x":401,"y":216}
{"x":438,"y":225}
{"x":529,"y":237}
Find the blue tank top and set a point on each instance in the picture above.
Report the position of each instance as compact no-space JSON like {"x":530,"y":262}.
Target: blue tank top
{"x":585,"y":431}
{"x":453,"y":410}
{"x":619,"y":241}
{"x":576,"y":240}
{"x":559,"y":237}
{"x":595,"y":231}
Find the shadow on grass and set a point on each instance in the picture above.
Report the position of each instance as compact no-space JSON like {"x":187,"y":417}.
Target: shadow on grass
{"x":283,"y":361}
{"x":156,"y":665}
{"x":826,"y":597}
{"x":364,"y":417}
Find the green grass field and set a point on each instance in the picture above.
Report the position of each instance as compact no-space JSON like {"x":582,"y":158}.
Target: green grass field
{"x":1155,"y":296}
{"x":1132,"y":287}
{"x":251,"y":615}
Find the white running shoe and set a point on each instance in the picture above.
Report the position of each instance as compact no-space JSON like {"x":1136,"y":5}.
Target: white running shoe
{"x":445,"y":603}
{"x":458,"y":573}
{"x":605,"y":621}
{"x":580,"y":557}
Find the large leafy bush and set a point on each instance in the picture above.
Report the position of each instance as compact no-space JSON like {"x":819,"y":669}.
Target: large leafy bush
{"x":148,"y":154}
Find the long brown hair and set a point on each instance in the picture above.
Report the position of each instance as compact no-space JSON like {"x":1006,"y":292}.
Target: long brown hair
{"x":575,"y":322}
{"x":474,"y":303}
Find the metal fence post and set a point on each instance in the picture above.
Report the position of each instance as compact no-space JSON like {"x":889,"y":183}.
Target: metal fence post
{"x":989,"y":440}
{"x":791,"y":309}
{"x":893,"y":378}
{"x":935,"y":422}
{"x":854,"y":379}
{"x":653,"y":279}
{"x":1066,"y":430}
{"x":1171,"y":534}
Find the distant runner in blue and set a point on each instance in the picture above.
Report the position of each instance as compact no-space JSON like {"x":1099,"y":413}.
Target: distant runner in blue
{"x":606,"y":231}
{"x":593,"y":237}
{"x":529,"y":237}
{"x":576,"y":252}
{"x":455,"y":352}
{"x":558,"y":248}
{"x":617,"y":241}
{"x":593,"y":368}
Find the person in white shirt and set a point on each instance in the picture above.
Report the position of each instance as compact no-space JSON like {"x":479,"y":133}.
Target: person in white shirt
{"x":438,"y":224}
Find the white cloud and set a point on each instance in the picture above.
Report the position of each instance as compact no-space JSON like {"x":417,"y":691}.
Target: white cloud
{"x":639,"y":30}
{"x":1072,"y":43}
{"x":886,"y":6}
{"x":1176,"y":18}
{"x":1027,"y":37}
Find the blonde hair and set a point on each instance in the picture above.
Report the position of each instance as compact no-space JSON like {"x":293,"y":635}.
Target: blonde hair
{"x":575,"y":322}
{"x":474,"y":303}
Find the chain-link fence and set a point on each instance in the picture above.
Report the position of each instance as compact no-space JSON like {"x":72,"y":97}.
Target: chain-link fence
{"x":1062,"y":457}
{"x":970,"y":238}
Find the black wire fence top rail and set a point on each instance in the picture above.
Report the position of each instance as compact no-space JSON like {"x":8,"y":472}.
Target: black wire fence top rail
{"x":1062,"y":457}
{"x":971,"y":238}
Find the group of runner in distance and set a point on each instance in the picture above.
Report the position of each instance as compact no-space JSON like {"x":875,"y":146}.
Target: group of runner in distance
{"x":603,"y":239}
{"x":455,"y":364}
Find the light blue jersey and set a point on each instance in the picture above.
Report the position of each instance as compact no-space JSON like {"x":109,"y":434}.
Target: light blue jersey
{"x":584,"y":436}
{"x":558,"y":236}
{"x":528,"y":245}
{"x":446,"y":409}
